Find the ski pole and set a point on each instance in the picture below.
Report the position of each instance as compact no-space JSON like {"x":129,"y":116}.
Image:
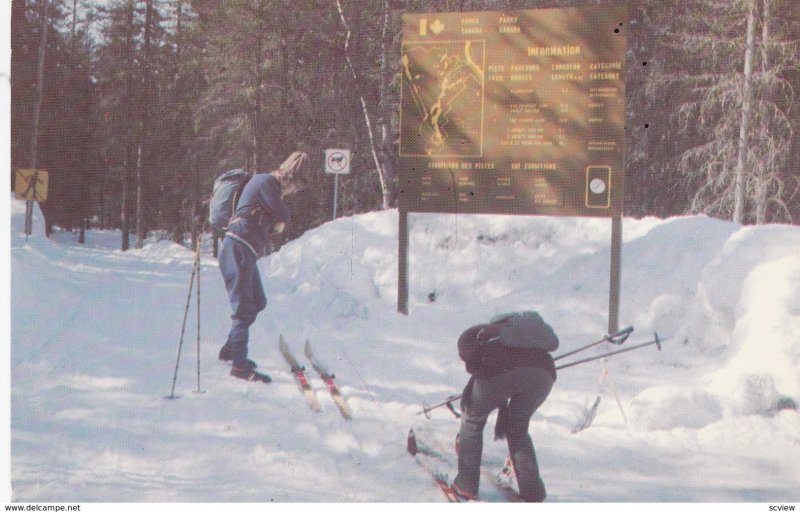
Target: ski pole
{"x":426,"y":410}
{"x":607,"y":376}
{"x":199,"y":238}
{"x":618,"y":338}
{"x":657,"y":342}
{"x":185,"y":316}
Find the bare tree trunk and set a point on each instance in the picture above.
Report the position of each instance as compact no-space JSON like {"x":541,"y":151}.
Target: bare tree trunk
{"x":739,"y":177}
{"x":127,"y":171}
{"x":386,"y":108}
{"x":178,"y":227}
{"x":762,"y":184}
{"x":83,"y":208}
{"x":258,"y":156}
{"x":139,"y":189}
{"x":74,"y":22}
{"x":124,"y":219}
{"x":381,"y":171}
{"x":178,"y":33}
{"x":144,"y":127}
{"x":765,"y":35}
{"x":288,"y":117}
{"x":44,"y":29}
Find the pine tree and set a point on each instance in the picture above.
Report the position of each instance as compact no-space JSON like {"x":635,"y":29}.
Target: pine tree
{"x":732,"y":103}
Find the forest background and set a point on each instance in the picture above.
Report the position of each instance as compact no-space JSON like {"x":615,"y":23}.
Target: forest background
{"x":135,"y":106}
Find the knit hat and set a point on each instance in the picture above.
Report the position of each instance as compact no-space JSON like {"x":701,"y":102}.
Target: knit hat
{"x":293,"y":163}
{"x":292,"y":173}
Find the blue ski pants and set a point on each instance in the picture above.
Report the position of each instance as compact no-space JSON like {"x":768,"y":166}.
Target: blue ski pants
{"x":524,"y":389}
{"x":240,"y":272}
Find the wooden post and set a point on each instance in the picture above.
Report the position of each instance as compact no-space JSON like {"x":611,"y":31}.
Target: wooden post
{"x":616,"y":271}
{"x":402,"y":258}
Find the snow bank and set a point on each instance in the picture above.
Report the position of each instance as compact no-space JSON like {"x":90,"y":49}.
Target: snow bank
{"x":665,"y":408}
{"x":95,"y":331}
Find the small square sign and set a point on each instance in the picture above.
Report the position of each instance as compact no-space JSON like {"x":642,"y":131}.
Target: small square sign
{"x":337,"y":161}
{"x":31,"y":184}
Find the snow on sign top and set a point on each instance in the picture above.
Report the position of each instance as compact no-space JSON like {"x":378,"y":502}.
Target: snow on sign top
{"x":337,"y":161}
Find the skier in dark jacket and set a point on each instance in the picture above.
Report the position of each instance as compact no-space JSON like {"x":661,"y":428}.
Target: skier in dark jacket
{"x":260,"y":212}
{"x":512,"y":371}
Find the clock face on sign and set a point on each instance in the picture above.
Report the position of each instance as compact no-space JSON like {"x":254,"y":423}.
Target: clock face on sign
{"x":597,"y":186}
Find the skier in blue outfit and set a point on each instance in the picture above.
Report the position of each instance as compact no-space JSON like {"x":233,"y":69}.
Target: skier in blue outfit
{"x":260,"y":212}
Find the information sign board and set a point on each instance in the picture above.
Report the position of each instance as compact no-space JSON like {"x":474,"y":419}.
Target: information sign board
{"x":519,"y":112}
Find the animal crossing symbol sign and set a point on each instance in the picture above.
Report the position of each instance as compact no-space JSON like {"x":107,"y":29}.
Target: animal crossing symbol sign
{"x":337,"y":161}
{"x":31,"y":184}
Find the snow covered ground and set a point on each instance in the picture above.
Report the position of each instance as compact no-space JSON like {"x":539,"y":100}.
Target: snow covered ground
{"x":95,"y":331}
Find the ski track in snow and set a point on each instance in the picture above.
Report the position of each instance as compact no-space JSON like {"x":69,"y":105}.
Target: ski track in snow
{"x":95,"y":336}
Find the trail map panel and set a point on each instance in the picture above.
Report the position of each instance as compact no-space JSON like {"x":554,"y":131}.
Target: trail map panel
{"x":518,"y":112}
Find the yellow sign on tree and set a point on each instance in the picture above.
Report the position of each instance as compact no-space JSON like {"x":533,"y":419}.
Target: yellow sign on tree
{"x":31,"y":184}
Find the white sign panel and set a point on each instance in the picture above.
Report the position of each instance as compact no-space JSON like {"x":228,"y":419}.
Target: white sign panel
{"x":337,"y":161}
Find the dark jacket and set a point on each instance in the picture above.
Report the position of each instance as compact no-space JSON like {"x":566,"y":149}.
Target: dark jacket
{"x":510,"y":341}
{"x":260,"y":208}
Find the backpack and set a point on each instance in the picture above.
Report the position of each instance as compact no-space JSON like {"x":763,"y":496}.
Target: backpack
{"x":525,"y":329}
{"x":509,"y":340}
{"x":225,"y":197}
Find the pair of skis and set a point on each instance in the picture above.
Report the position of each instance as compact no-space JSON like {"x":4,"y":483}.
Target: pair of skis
{"x":301,"y":377}
{"x":425,"y":455}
